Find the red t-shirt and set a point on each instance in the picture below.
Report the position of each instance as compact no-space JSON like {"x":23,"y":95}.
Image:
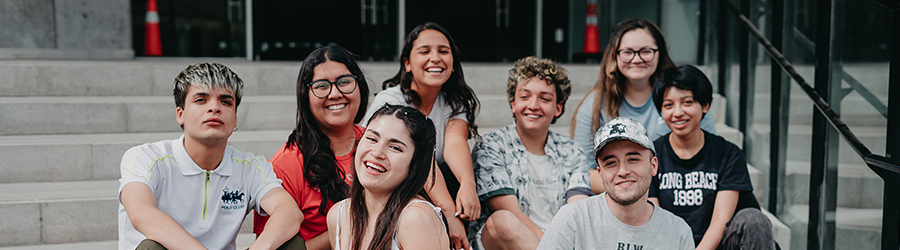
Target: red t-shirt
{"x":288,"y":166}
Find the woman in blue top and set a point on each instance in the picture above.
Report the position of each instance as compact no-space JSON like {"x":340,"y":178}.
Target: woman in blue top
{"x":634,"y":57}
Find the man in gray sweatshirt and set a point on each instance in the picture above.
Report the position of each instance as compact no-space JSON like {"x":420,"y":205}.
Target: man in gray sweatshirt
{"x":621,"y":218}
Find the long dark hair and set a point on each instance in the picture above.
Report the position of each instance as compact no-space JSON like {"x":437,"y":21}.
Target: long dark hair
{"x":609,"y":91}
{"x":460,"y":96}
{"x":319,"y":168}
{"x":421,"y":130}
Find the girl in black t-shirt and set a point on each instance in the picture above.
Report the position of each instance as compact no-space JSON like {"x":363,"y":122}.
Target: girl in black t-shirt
{"x":702,"y":177}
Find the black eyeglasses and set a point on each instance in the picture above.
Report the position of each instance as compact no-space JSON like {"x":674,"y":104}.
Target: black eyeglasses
{"x":322,"y":88}
{"x":627,"y":55}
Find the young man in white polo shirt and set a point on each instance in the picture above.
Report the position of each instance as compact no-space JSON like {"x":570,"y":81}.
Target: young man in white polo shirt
{"x":194,"y":192}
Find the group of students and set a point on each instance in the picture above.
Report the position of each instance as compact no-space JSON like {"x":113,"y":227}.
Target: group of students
{"x":400,"y":175}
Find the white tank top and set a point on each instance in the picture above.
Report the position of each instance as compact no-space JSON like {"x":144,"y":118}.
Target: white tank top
{"x":394,"y":244}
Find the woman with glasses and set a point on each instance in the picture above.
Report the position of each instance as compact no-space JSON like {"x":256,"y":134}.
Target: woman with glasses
{"x":431,"y":80}
{"x":634,"y":57}
{"x":315,"y":165}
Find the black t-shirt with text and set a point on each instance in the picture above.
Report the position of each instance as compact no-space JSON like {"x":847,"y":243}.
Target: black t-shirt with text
{"x":688,"y":187}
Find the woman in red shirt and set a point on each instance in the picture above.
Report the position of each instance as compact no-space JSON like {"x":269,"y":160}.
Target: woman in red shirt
{"x":315,"y":163}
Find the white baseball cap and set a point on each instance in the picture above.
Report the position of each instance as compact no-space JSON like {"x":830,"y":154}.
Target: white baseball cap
{"x":622,"y":128}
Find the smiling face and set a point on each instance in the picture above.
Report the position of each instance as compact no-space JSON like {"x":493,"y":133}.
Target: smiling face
{"x":209,"y":115}
{"x":430,"y":62}
{"x":384,"y":154}
{"x":337,"y":110}
{"x":637,"y":69}
{"x":534,"y":106}
{"x":626,"y":169}
{"x":681,"y":112}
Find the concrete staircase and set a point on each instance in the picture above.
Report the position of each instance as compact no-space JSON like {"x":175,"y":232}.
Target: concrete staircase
{"x":860,"y":190}
{"x":64,"y":126}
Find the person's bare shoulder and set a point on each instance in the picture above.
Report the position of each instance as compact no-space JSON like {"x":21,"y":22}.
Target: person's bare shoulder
{"x":420,"y":226}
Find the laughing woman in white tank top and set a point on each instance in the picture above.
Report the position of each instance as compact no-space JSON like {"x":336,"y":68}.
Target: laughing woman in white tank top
{"x":388,"y":206}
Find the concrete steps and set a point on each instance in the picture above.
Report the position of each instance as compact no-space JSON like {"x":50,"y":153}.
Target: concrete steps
{"x":78,"y":157}
{"x":874,"y":76}
{"x":145,"y":78}
{"x":62,"y":212}
{"x":860,"y":190}
{"x":856,"y":228}
{"x":65,"y":125}
{"x":127,"y":114}
{"x":131,"y":78}
{"x":58,"y":212}
{"x":800,"y":140}
{"x":857,"y":187}
{"x":855,"y":109}
{"x":89,"y":245}
{"x":244,"y":240}
{"x":141,"y":114}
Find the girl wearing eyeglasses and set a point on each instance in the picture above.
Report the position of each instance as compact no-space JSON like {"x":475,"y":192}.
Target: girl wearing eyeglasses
{"x":315,"y":165}
{"x":634,"y":57}
{"x":431,"y":80}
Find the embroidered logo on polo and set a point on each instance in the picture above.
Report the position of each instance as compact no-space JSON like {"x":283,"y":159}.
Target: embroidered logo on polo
{"x":232,"y":199}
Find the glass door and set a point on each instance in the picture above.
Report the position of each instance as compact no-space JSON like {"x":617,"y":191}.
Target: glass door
{"x":290,"y":30}
{"x":196,"y":28}
{"x":484,"y":30}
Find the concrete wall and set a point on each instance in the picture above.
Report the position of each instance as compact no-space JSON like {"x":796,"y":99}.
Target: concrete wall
{"x":65,"y":29}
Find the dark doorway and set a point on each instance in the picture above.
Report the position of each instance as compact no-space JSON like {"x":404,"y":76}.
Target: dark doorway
{"x":555,"y":35}
{"x":484,"y":30}
{"x":197,"y":28}
{"x":290,"y":30}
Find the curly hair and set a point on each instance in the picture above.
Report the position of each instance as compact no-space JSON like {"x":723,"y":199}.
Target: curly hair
{"x":544,"y":69}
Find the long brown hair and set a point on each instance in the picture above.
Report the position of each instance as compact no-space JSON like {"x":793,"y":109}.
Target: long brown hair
{"x":459,"y":95}
{"x":609,"y":91}
{"x":421,"y":131}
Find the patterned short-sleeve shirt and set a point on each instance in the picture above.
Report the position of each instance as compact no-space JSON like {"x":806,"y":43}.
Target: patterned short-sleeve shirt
{"x":501,"y":168}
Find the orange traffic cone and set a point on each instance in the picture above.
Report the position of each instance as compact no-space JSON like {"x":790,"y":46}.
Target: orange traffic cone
{"x":152,"y":43}
{"x":591,"y":35}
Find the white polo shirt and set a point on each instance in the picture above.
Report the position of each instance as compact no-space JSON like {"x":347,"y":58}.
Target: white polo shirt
{"x":210,"y":205}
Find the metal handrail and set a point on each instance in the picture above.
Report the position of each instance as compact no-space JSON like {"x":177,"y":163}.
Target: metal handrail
{"x":823,"y":107}
{"x":855,"y":84}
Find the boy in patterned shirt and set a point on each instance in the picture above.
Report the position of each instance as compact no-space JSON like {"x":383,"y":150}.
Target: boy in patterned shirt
{"x":524,"y":172}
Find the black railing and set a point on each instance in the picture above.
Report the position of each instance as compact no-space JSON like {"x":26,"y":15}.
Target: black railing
{"x":823,"y":177}
{"x":855,"y":85}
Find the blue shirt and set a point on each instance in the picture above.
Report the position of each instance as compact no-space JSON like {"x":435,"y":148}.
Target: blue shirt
{"x":646,"y":114}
